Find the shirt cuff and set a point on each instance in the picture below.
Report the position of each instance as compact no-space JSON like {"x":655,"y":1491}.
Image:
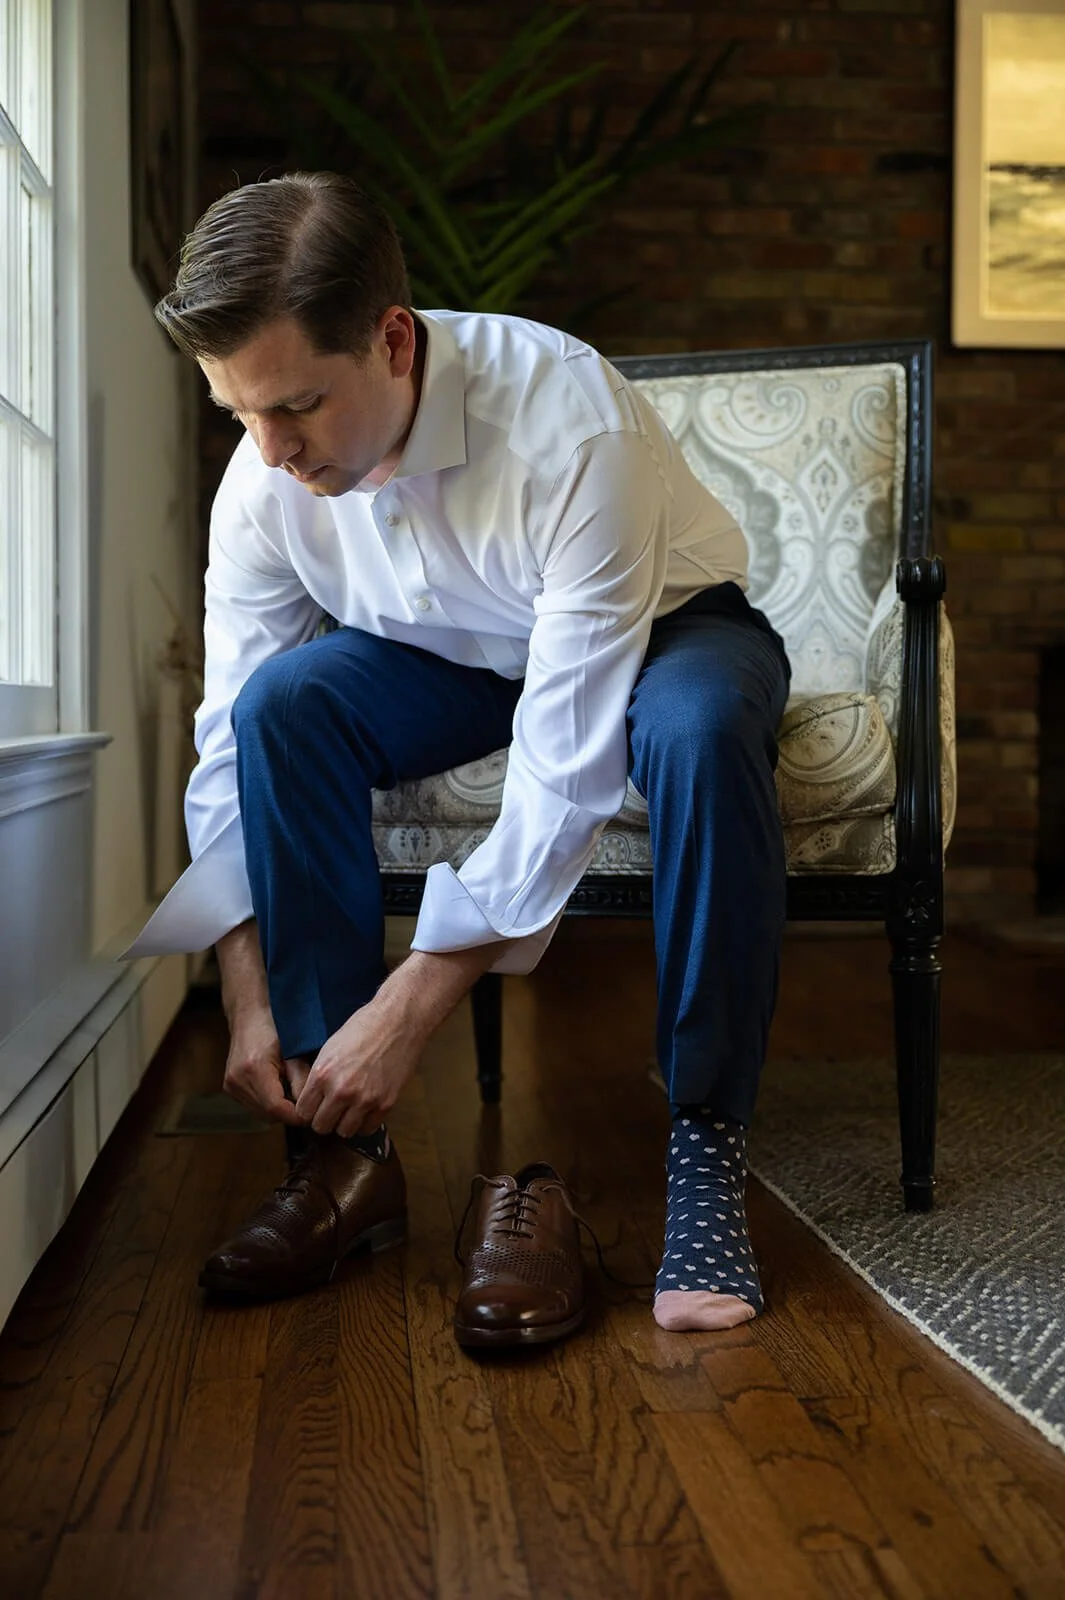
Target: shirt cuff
{"x":450,"y":919}
{"x":211,"y":897}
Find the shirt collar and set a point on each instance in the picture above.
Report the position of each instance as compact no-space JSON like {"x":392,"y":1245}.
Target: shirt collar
{"x":437,"y":438}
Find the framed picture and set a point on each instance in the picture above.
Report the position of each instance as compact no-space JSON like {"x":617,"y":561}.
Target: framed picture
{"x":157,"y":142}
{"x":1009,"y":174}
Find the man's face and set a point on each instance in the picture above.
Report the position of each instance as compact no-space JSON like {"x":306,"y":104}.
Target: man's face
{"x":330,"y":421}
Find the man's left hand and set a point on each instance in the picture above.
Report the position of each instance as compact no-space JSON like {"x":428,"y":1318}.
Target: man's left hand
{"x":358,"y":1074}
{"x":361,"y":1071}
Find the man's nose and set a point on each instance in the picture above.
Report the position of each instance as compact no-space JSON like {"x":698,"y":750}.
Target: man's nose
{"x":278,"y":440}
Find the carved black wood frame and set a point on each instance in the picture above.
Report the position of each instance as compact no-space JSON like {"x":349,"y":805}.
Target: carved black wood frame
{"x":909,"y":900}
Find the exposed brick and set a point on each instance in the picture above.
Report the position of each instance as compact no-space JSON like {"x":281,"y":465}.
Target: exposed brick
{"x":827,"y":158}
{"x":789,"y":63}
{"x":341,"y":14}
{"x":749,"y":222}
{"x":919,"y":225}
{"x":1044,"y":539}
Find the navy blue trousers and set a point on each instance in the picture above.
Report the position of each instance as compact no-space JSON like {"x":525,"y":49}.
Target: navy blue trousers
{"x":320,"y":726}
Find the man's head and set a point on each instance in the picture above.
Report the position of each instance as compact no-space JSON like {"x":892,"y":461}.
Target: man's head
{"x":310,"y":246}
{"x":293,"y":297}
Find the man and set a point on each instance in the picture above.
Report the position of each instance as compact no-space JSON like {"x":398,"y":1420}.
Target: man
{"x":516,"y":554}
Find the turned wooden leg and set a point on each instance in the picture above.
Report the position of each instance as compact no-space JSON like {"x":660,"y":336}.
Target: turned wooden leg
{"x":487,"y":999}
{"x":915,"y":976}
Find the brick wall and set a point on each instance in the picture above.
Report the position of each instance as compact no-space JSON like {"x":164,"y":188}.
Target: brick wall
{"x":829,"y":221}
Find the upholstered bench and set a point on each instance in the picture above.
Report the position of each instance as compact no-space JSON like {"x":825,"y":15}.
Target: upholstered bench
{"x":823,"y":456}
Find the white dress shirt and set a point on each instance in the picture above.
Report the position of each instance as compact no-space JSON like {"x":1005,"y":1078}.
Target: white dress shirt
{"x":540,"y":518}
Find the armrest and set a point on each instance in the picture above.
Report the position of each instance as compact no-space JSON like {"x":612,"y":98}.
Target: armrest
{"x":921,"y":583}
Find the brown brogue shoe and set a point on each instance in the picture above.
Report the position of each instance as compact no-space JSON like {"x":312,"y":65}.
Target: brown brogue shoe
{"x":524,"y":1280}
{"x":334,"y":1201}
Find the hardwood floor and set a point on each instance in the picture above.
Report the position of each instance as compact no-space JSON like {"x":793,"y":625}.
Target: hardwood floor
{"x":340,"y":1445}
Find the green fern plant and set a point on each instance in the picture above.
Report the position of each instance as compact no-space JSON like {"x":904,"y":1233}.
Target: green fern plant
{"x":484,"y":199}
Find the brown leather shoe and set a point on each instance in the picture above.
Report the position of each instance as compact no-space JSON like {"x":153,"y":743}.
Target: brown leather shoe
{"x":335,"y":1200}
{"x":524,"y":1281}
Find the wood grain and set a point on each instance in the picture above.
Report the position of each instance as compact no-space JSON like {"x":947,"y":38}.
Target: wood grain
{"x":931,"y":1535}
{"x":119,"y":1484}
{"x":477,"y":1550}
{"x":156,"y":1444}
{"x":203,"y":1501}
{"x":289,"y":1535}
{"x":746,"y":1536}
{"x":383,"y":1546}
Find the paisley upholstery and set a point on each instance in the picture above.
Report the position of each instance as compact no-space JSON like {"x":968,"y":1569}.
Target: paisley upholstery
{"x":810,"y":462}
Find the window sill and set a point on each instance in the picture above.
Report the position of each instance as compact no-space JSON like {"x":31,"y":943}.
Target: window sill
{"x":43,"y":745}
{"x":41,"y":768}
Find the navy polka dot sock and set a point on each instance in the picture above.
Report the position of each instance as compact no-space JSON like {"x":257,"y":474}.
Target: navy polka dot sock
{"x":707,"y":1249}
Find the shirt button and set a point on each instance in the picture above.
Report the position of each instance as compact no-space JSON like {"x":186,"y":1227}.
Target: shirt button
{"x":391,"y":519}
{"x":424,"y":603}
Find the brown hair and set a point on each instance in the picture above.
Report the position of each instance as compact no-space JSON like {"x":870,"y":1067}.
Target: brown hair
{"x":311,"y":246}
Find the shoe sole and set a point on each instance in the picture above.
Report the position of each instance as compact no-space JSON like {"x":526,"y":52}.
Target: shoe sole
{"x":500,"y":1338}
{"x":382,"y":1236}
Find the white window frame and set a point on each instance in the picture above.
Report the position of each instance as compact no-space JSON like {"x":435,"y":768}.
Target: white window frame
{"x":58,"y":702}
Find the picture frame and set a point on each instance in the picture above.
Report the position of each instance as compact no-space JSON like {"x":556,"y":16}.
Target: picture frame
{"x":1008,"y":261}
{"x":157,"y":143}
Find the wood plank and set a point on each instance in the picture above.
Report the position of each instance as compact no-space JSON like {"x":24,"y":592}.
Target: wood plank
{"x":588,"y":1475}
{"x":195,"y":1545}
{"x":119,"y":1486}
{"x":105,"y":1564}
{"x":665,"y":1366}
{"x":672,"y":1572}
{"x":817,"y":1502}
{"x":233,"y":1340}
{"x":289,"y":1542}
{"x":42,"y":1461}
{"x":37,"y":1319}
{"x":476,"y":1548}
{"x":931,"y":1535}
{"x":382,"y":1520}
{"x":741,"y":1525}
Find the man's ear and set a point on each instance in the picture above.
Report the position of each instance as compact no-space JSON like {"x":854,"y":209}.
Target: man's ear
{"x":398,"y":328}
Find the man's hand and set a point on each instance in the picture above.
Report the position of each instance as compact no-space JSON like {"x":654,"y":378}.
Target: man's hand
{"x":361,"y":1071}
{"x":256,"y":1072}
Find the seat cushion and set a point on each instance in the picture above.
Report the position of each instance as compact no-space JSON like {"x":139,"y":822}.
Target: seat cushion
{"x":835,"y":783}
{"x":836,"y":759}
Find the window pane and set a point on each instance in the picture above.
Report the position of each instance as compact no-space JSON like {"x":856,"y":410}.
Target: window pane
{"x":34,"y":117}
{"x":27,"y":354}
{"x":7,"y":70}
{"x":34,"y":396}
{"x":9,"y":257}
{"x":9,"y":584}
{"x":36,"y":487}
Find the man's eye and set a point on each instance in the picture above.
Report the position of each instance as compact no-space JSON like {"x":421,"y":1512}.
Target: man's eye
{"x":301,"y":411}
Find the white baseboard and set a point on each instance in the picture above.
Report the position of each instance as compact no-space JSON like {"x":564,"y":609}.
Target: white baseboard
{"x":53,"y":1129}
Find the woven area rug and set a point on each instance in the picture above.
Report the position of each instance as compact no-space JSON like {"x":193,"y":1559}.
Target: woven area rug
{"x":983,"y":1274}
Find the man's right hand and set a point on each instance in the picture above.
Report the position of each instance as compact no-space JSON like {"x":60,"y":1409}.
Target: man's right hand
{"x":256,"y":1072}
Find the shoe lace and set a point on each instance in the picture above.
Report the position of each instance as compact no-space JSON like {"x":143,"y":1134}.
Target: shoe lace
{"x":515,"y":1216}
{"x":516,"y":1213}
{"x":298,"y":1181}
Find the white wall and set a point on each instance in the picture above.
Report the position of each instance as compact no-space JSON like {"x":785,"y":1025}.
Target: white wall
{"x":142,"y":489}
{"x":80,"y":858}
